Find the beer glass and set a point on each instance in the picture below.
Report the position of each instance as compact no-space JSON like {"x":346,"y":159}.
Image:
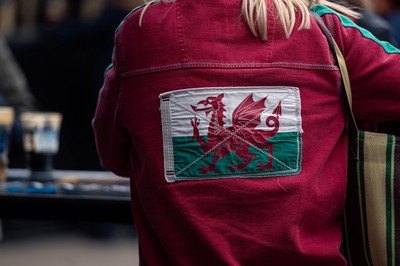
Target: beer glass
{"x":41,"y":132}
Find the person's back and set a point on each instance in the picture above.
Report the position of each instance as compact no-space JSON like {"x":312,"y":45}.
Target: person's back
{"x":236,"y":147}
{"x":390,"y":11}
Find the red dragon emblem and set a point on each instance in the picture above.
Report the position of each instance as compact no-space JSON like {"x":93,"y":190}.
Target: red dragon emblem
{"x":238,"y":137}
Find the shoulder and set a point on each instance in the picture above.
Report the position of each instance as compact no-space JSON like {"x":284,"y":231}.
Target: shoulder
{"x":328,"y":13}
{"x":153,"y":9}
{"x":129,"y":15}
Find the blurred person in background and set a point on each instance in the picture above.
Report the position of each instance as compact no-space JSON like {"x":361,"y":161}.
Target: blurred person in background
{"x":14,"y":88}
{"x":369,"y":19}
{"x":14,"y":92}
{"x":390,"y":11}
{"x":66,"y":63}
{"x":63,"y":59}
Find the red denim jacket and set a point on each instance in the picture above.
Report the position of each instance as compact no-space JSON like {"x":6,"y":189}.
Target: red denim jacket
{"x":236,"y":148}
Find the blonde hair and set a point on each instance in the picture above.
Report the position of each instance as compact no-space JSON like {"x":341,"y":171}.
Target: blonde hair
{"x":254,"y":13}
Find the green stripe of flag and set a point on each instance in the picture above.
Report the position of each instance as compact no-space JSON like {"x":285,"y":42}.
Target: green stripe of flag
{"x":190,"y":158}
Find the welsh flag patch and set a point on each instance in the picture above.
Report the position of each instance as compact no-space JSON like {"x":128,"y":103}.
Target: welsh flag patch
{"x":231,"y":132}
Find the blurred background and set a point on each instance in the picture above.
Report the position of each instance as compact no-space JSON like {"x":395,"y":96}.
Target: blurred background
{"x":38,"y":243}
{"x":63,"y":48}
{"x":55,"y":54}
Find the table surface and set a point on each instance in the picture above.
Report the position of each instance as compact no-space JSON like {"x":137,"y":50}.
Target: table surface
{"x":74,"y":195}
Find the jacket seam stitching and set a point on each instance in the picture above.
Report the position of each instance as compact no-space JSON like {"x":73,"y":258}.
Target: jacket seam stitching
{"x":179,"y":29}
{"x":224,"y":65}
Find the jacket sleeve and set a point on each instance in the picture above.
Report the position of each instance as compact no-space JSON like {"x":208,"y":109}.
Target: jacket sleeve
{"x":374,"y":70}
{"x":112,"y":138}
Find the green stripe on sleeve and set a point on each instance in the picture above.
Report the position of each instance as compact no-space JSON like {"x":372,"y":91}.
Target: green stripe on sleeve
{"x":346,"y":22}
{"x":108,"y":69}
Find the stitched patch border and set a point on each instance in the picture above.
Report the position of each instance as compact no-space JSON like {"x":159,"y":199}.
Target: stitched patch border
{"x":231,"y":132}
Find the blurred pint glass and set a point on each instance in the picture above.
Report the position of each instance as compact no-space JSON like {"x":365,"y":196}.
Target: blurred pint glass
{"x":41,"y":141}
{"x":6,"y":123}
